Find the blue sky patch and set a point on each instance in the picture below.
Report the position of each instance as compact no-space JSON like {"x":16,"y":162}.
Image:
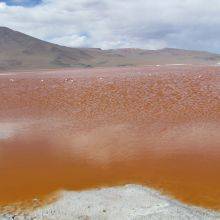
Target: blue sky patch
{"x":25,"y":3}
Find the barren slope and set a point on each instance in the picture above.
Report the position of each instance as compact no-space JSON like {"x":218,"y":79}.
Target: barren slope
{"x":19,"y":51}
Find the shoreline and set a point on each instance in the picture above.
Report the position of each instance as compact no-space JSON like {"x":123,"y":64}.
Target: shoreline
{"x":121,"y":202}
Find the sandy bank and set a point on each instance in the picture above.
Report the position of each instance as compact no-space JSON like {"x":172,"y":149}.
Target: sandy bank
{"x":127,"y":202}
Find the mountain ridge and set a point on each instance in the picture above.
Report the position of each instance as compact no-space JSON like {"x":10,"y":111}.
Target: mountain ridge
{"x":19,"y":51}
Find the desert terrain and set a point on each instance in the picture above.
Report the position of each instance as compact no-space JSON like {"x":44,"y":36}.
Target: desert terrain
{"x":80,"y":129}
{"x":19,"y":51}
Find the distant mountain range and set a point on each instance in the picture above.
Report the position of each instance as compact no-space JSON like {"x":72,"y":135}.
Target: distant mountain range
{"x":19,"y":51}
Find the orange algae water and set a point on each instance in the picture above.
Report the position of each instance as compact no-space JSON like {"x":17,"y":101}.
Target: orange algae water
{"x":80,"y":129}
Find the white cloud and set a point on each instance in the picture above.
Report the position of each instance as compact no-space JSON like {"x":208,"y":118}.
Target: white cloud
{"x":71,"y":40}
{"x":2,"y":5}
{"x":190,"y":24}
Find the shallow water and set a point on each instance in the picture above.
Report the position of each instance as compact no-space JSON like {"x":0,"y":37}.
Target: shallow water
{"x":78,"y":129}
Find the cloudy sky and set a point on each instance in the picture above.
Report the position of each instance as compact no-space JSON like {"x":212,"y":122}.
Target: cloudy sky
{"x":150,"y":24}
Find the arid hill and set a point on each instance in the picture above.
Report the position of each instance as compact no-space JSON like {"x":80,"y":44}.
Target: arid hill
{"x":19,"y":51}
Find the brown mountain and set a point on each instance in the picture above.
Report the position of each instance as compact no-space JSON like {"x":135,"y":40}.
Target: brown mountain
{"x":19,"y":51}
